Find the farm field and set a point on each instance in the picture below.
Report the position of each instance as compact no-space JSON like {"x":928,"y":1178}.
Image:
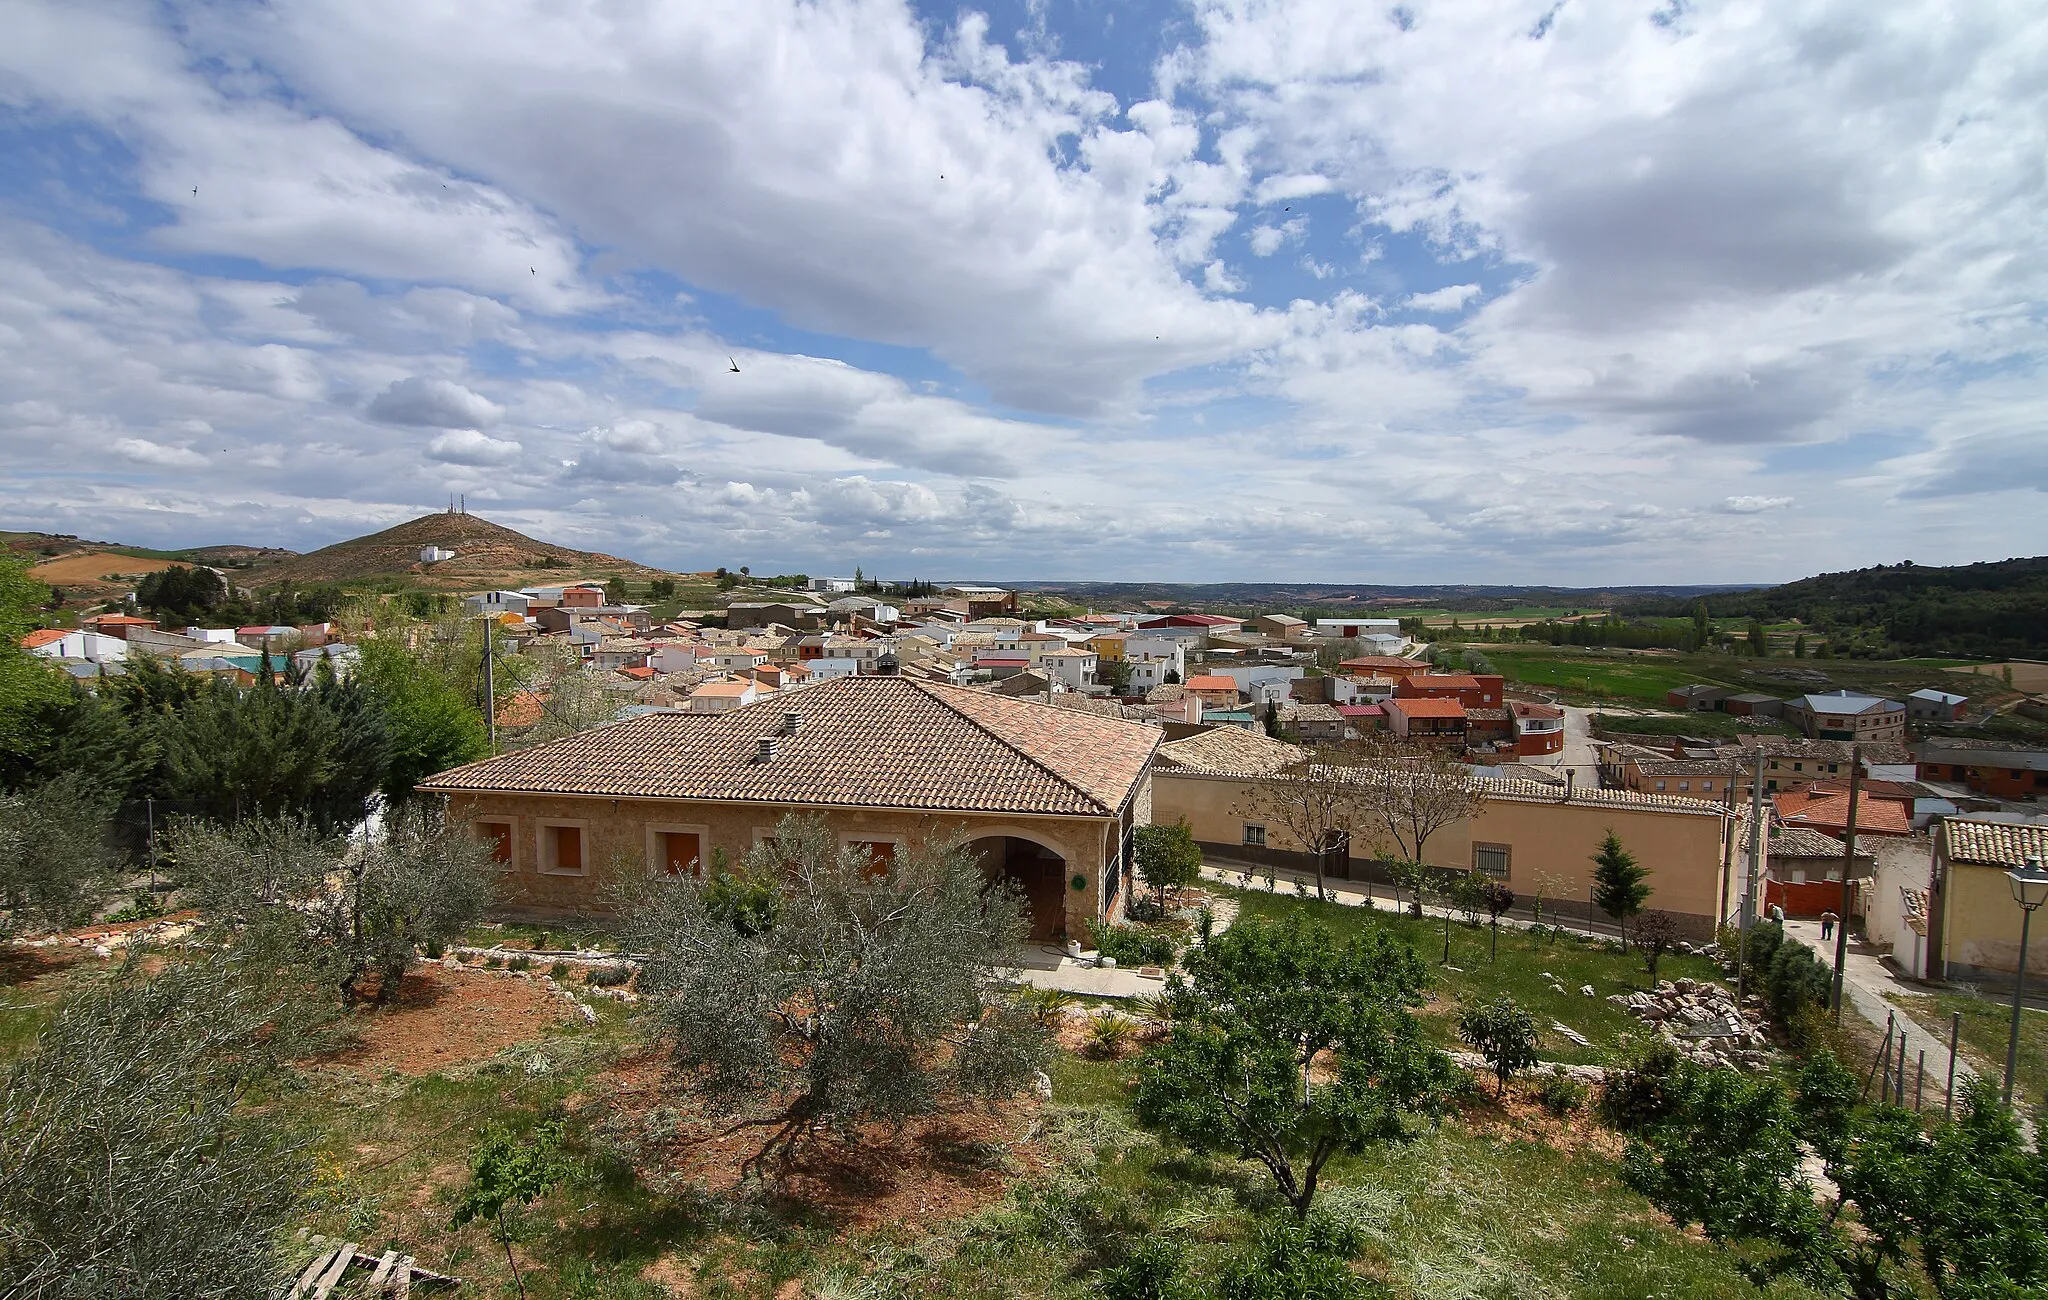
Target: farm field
{"x":1610,"y":674}
{"x":2031,"y":678}
{"x":1021,"y":1199}
{"x":97,"y":567}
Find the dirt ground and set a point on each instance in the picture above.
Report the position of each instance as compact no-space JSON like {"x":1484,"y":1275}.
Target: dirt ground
{"x":94,"y":566}
{"x":1520,"y":1117}
{"x":936,"y":1168}
{"x":2031,"y":678}
{"x":445,"y":1018}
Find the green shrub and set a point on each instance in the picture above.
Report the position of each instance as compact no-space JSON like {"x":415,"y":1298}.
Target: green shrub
{"x":1109,"y":1033}
{"x":1503,"y":1032}
{"x":1794,"y":981}
{"x":608,"y":977}
{"x":1643,"y":1090}
{"x":559,"y":971}
{"x":434,"y":949}
{"x":521,"y":962}
{"x":1293,"y":1259}
{"x":1560,"y":1094}
{"x":494,"y":962}
{"x":1131,"y":946}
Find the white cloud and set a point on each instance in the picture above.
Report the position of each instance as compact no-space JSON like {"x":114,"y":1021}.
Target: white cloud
{"x":1450,"y":298}
{"x":144,"y":452}
{"x":1752,"y":505}
{"x":469,"y":447}
{"x":434,"y":403}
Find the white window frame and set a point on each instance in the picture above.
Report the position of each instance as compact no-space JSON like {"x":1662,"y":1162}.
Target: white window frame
{"x":655,"y":830}
{"x":1254,"y":835}
{"x":544,"y":842}
{"x":511,"y":825}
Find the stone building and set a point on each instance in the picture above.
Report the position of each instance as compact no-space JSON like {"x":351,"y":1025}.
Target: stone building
{"x":1045,"y":796}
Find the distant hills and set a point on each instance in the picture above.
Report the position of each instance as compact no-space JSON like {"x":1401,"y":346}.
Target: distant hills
{"x":1356,"y":597}
{"x":486,"y":555}
{"x":1984,"y":610}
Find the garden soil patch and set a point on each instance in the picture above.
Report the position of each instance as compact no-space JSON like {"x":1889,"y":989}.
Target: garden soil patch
{"x":446,"y":1018}
{"x":1519,"y":1117}
{"x":934,"y":1169}
{"x":95,"y":567}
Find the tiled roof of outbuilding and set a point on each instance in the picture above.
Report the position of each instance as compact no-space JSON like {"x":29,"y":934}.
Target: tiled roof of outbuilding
{"x":1995,"y":844}
{"x":873,"y":742}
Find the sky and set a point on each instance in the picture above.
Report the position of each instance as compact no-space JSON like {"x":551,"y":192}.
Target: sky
{"x":1185,"y":290}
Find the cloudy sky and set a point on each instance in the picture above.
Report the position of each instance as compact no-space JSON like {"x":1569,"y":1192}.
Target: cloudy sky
{"x":1523,"y":291}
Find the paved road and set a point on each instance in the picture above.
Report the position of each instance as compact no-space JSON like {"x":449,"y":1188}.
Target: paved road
{"x":1871,"y":987}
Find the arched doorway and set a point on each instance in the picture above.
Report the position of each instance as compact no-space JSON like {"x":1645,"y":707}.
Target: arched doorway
{"x":1039,"y":872}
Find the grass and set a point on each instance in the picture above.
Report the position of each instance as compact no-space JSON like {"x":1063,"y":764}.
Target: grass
{"x":1987,"y":1027}
{"x":1518,"y":972}
{"x":1476,"y":1207}
{"x":1610,"y":674}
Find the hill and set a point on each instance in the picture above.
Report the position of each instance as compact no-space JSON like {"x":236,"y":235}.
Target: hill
{"x":1340,"y":599}
{"x":1986,"y":610}
{"x":486,"y":555}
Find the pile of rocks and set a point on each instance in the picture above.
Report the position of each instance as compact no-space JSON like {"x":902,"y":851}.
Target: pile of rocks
{"x":1701,"y":1019}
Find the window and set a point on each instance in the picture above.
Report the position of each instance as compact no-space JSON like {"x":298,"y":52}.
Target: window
{"x":881,"y":855}
{"x":498,"y":835}
{"x":1707,"y":786}
{"x":1254,"y":836}
{"x":1490,"y":860}
{"x":678,"y":850}
{"x":1799,"y":877}
{"x":1685,"y":786}
{"x":561,"y":847}
{"x":1799,"y":767}
{"x":1660,"y":787}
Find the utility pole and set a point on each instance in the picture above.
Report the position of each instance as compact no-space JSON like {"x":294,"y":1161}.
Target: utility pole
{"x":149,"y":809}
{"x":1756,"y":830}
{"x":490,"y":688}
{"x":1848,"y":870}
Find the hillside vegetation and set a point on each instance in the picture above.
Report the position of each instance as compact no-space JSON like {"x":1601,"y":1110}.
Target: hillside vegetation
{"x":486,"y":555}
{"x":1982,"y":610}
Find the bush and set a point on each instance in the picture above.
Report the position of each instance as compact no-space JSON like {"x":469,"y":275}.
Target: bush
{"x":1794,"y":981}
{"x":1503,"y":1032}
{"x":559,"y":971}
{"x":1293,"y":1259}
{"x":608,"y":977}
{"x":434,"y":949}
{"x":1130,"y":946}
{"x":1642,"y":1091}
{"x":521,"y":962}
{"x":1560,"y":1094}
{"x":1109,"y":1033}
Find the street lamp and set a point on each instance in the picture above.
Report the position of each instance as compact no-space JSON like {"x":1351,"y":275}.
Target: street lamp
{"x":2029,"y":890}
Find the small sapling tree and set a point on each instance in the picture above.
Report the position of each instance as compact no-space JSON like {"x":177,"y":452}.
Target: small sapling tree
{"x":1656,"y":934}
{"x":1620,"y":884}
{"x":56,"y":856}
{"x":1288,"y":1046}
{"x":1168,"y":857}
{"x":1498,"y":898}
{"x":507,"y":1171}
{"x":1503,"y":1032}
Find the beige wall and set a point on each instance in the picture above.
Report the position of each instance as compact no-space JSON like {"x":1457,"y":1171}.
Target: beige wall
{"x":1683,"y":851}
{"x":1981,"y":923}
{"x":616,"y":835}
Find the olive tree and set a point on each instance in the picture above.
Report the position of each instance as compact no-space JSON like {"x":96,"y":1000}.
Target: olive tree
{"x":128,"y":1165}
{"x":872,"y":993}
{"x":1167,"y":857}
{"x":1290,"y":1046}
{"x":56,"y":858}
{"x":351,"y":908}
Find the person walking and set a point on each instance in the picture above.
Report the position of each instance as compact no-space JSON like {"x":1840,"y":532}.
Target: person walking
{"x":1827,"y":924}
{"x":1778,"y":913}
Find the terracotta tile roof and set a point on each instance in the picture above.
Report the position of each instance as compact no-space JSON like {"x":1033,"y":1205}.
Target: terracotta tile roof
{"x":42,"y":636}
{"x":1424,"y":707}
{"x":1361,"y":711}
{"x":1211,"y":682}
{"x":1827,"y":751}
{"x":1525,"y":791}
{"x":1830,"y":812}
{"x":1994,"y":844}
{"x":718,"y":690}
{"x":874,"y":742}
{"x":1443,"y":682}
{"x":1664,"y":766}
{"x":1227,"y":751}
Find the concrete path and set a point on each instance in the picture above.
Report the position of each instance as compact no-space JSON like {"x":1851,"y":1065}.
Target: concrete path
{"x":1044,"y":966}
{"x":1870,"y":987}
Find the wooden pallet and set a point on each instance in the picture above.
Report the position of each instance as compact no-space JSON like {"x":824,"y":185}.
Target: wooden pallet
{"x":391,"y":1274}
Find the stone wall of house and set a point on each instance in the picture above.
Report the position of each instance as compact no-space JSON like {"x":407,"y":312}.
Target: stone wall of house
{"x":618,"y":838}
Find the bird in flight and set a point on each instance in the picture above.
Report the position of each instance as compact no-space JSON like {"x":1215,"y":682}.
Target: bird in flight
{"x":531,"y":271}
{"x":195,"y":191}
{"x":735,"y":365}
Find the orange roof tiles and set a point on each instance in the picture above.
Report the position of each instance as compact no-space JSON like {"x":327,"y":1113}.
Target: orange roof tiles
{"x":42,"y":636}
{"x":1830,"y":812}
{"x":876,"y":742}
{"x":1424,"y":707}
{"x":1212,"y":682}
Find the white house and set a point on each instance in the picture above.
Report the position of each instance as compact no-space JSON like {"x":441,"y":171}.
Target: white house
{"x":826,"y":669}
{"x":1148,"y":673}
{"x":1930,"y":705}
{"x":94,"y":647}
{"x":832,"y":584}
{"x":497,"y":602}
{"x":1075,"y":669}
{"x":1382,"y":643}
{"x":734,"y":659}
{"x":674,"y":657}
{"x":434,"y":555}
{"x":1357,"y":629}
{"x":719,"y":697}
{"x":1271,"y":683}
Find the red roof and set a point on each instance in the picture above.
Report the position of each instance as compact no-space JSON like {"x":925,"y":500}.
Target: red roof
{"x":1361,"y":711}
{"x":1423,"y":707}
{"x":42,"y":636}
{"x":643,"y":673}
{"x":1830,"y":812}
{"x":1211,"y":682}
{"x":1443,"y":682}
{"x":119,"y":619}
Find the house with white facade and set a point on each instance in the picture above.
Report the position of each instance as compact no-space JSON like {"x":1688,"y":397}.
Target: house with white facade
{"x":832,"y":584}
{"x":1074,"y":669}
{"x":1357,"y":629}
{"x":497,"y":602}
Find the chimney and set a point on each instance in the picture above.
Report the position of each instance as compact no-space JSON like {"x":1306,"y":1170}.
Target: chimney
{"x":792,"y":722}
{"x":765,"y":749}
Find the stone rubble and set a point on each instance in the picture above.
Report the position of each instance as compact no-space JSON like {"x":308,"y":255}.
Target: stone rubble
{"x":1702,"y":1021}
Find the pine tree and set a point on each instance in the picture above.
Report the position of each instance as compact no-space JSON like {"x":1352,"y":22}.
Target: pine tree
{"x":1620,"y":883}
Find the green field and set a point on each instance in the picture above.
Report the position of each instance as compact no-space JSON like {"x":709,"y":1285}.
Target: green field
{"x":1611,"y":674}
